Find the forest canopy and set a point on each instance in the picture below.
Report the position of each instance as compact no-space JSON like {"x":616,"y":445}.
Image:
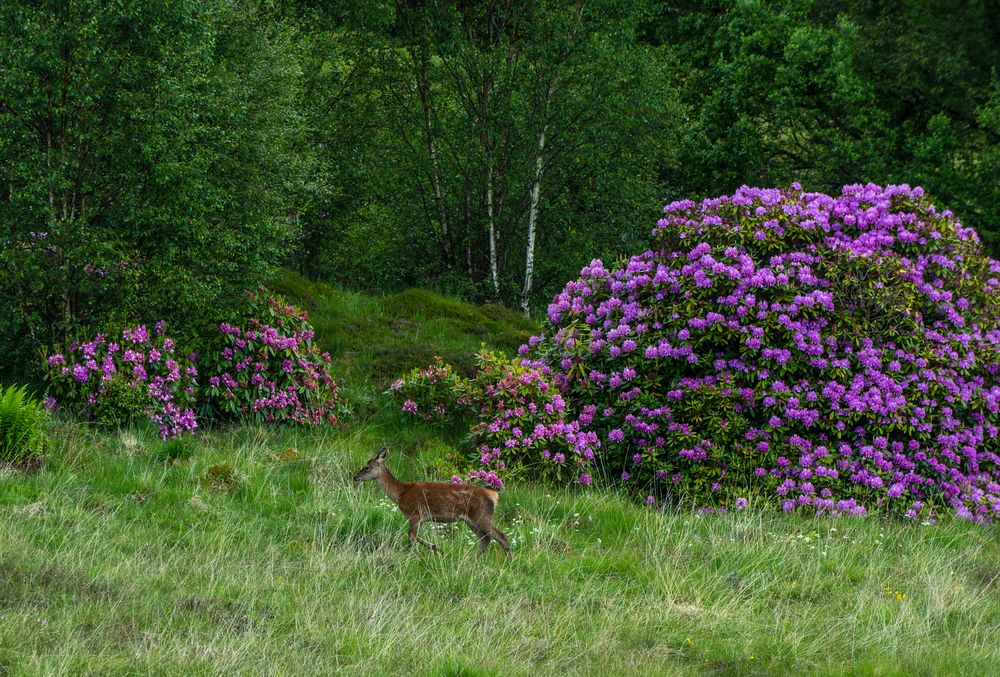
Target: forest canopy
{"x":164,"y":158}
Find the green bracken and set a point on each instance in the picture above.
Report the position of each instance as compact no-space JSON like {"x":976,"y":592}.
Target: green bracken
{"x":22,"y":425}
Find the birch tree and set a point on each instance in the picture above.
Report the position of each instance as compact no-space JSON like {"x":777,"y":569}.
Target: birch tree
{"x":493,"y":112}
{"x":536,"y":184}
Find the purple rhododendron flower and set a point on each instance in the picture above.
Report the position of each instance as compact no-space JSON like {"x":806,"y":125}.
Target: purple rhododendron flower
{"x":148,"y":360}
{"x":747,"y":348}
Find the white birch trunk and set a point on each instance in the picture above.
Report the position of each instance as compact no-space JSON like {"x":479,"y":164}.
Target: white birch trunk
{"x":494,"y":269}
{"x":529,"y":259}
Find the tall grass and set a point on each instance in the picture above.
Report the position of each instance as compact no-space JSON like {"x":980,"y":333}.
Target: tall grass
{"x":119,"y":557}
{"x":250,"y":551}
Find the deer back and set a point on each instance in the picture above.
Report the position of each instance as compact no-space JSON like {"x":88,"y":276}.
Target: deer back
{"x":448,"y":502}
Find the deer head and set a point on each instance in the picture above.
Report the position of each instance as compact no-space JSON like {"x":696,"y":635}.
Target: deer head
{"x":373,"y":467}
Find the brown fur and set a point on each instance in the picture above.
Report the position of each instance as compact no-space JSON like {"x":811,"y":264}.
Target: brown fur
{"x":438,"y":502}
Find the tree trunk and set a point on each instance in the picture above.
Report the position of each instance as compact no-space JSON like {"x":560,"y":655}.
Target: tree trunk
{"x":536,"y":184}
{"x":494,"y":268}
{"x":423,"y":91}
{"x":438,"y":196}
{"x":529,"y":259}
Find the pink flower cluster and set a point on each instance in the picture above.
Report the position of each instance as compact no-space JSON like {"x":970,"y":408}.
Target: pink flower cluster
{"x":79,"y":375}
{"x":437,"y":386}
{"x":523,"y":419}
{"x":836,"y":353}
{"x":517,"y":416}
{"x":268,"y":372}
{"x":271,"y":371}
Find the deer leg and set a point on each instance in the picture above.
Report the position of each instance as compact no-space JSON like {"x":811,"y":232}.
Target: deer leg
{"x":481,"y":532}
{"x":484,"y":537}
{"x":500,"y":538}
{"x":414,"y":525}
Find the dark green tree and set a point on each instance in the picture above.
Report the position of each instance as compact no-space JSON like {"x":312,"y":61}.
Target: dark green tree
{"x":151,"y":156}
{"x":831,"y":93}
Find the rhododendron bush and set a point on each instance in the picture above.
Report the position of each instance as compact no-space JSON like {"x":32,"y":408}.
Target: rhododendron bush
{"x":91,"y":377}
{"x":270,"y":370}
{"x":267,"y":370}
{"x":518,"y":417}
{"x":837,"y":354}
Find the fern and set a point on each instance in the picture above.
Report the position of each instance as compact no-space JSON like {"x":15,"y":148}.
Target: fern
{"x":22,"y":423}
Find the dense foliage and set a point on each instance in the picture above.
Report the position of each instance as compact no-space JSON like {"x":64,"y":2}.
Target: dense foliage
{"x":22,"y":425}
{"x":266,"y":370}
{"x":839,"y":353}
{"x":476,"y":125}
{"x":429,"y":117}
{"x":147,"y":158}
{"x":156,"y":160}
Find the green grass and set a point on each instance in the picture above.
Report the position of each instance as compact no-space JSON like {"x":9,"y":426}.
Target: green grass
{"x":375,"y":340}
{"x":122,"y":555}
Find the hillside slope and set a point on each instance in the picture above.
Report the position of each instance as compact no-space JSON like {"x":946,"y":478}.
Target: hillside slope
{"x":375,"y":340}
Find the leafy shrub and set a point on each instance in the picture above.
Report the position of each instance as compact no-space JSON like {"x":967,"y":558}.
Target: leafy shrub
{"x":517,"y":417}
{"x":835,"y":353}
{"x":269,"y":370}
{"x":112,"y":381}
{"x":436,"y":393}
{"x":22,"y":425}
{"x":121,"y":402}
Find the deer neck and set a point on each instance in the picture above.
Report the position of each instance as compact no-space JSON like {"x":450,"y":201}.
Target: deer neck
{"x":389,"y":485}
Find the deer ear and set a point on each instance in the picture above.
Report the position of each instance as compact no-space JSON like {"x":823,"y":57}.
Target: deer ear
{"x":382,"y":453}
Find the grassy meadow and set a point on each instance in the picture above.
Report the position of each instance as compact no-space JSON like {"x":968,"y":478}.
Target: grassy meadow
{"x":250,"y":551}
{"x":125,"y":555}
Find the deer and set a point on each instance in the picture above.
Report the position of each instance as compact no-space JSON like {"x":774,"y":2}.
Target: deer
{"x":437,"y":502}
